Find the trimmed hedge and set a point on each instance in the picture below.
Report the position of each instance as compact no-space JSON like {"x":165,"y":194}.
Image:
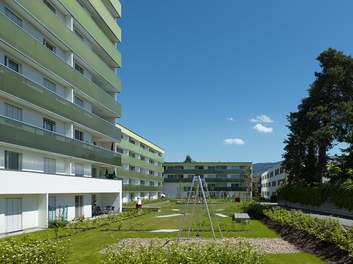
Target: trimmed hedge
{"x":340,"y":194}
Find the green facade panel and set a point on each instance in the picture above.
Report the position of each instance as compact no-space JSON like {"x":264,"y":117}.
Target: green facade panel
{"x":208,"y":180}
{"x":86,"y":21}
{"x":141,"y":163}
{"x":141,"y":188}
{"x":18,"y":133}
{"x":110,"y":26}
{"x":60,"y":30}
{"x":203,"y":172}
{"x":23,"y":42}
{"x":137,"y":175}
{"x":117,"y":6}
{"x":127,"y":145}
{"x":20,"y":87}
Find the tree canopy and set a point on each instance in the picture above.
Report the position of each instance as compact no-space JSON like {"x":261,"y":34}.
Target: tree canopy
{"x":323,"y":119}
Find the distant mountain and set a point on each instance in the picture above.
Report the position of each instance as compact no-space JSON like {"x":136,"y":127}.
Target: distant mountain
{"x":258,"y":168}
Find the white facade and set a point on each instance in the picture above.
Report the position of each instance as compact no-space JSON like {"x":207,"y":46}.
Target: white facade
{"x":271,"y":179}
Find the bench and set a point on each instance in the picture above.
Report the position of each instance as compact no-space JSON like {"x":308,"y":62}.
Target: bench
{"x":241,"y":217}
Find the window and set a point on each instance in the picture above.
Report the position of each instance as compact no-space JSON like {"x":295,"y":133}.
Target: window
{"x":49,"y":165}
{"x":132,"y":141}
{"x":79,"y":68}
{"x":132,"y":168}
{"x":13,"y":17}
{"x":48,"y":124}
{"x":142,"y":158}
{"x":51,"y":7}
{"x":79,"y":101}
{"x":13,"y":160}
{"x":151,"y":161}
{"x":49,"y":85}
{"x":142,"y":182}
{"x":132,"y":154}
{"x":119,"y":150}
{"x":78,"y":135}
{"x":79,"y":34}
{"x":13,"y":112}
{"x":79,"y":168}
{"x":10,"y":63}
{"x":48,"y":45}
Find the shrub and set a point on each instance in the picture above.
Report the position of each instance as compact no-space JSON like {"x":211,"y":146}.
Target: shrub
{"x":195,"y":252}
{"x":33,"y":251}
{"x":327,"y":229}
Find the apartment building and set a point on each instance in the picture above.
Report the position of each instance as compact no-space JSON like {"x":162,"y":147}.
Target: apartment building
{"x":224,"y":179}
{"x":57,"y":110}
{"x":141,"y":166}
{"x":271,"y":179}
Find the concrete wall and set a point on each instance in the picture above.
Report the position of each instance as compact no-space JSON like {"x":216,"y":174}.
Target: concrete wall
{"x":327,"y":207}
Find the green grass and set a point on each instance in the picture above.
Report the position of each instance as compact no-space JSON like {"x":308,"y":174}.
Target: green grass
{"x":87,"y":245}
{"x":293,"y":258}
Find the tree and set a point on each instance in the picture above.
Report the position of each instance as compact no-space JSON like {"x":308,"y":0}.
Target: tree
{"x":188,"y":159}
{"x":323,"y":119}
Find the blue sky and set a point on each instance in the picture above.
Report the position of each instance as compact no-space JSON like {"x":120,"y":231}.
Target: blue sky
{"x":216,"y":79}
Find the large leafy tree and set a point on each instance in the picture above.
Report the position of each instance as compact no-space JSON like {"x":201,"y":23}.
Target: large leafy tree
{"x":324,"y":118}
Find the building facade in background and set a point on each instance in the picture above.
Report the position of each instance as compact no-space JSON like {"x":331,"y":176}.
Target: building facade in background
{"x":271,"y":179}
{"x":57,"y":110}
{"x":141,"y":166}
{"x":224,"y":179}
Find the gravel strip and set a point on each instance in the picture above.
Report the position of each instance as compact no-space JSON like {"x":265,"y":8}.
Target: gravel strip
{"x":267,"y":245}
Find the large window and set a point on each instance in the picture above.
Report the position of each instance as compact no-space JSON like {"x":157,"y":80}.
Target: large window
{"x":79,"y":68}
{"x":51,"y":7}
{"x":48,"y":125}
{"x":49,"y":165}
{"x":79,"y":101}
{"x":13,"y":17}
{"x":13,"y":160}
{"x":13,"y":65}
{"x":79,"y":169}
{"x":79,"y":135}
{"x":49,"y":85}
{"x":79,"y":34}
{"x":49,"y":45}
{"x":13,"y":112}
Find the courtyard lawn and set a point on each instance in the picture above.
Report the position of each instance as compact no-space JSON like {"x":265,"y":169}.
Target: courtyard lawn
{"x":86,"y":246}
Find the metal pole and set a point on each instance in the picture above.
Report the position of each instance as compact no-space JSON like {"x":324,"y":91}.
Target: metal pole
{"x":186,"y":209}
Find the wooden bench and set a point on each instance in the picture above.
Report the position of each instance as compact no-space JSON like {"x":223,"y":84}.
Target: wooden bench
{"x":241,"y":217}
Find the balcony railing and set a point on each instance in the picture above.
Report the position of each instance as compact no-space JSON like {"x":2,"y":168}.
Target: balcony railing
{"x":23,"y":42}
{"x":141,"y":188}
{"x":17,"y":85}
{"x":18,"y":133}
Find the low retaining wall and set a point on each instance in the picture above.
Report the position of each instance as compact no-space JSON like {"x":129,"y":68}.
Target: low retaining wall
{"x":327,"y":208}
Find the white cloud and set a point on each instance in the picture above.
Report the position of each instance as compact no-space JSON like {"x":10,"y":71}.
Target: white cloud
{"x":233,"y":141}
{"x":263,"y":129}
{"x":230,"y":119}
{"x":262,"y":119}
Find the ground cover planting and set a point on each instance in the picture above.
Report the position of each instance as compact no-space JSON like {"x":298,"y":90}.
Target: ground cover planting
{"x":326,"y":238}
{"x":88,"y":240}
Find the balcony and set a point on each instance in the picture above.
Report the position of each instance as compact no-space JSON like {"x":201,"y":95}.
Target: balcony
{"x":137,"y":175}
{"x":17,"y":85}
{"x":208,"y":180}
{"x":23,"y":182}
{"x":141,"y":163}
{"x":141,"y":188}
{"x":95,"y":31}
{"x":24,"y":43}
{"x":137,"y":149}
{"x":18,"y":133}
{"x":105,"y":21}
{"x":61,"y":31}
